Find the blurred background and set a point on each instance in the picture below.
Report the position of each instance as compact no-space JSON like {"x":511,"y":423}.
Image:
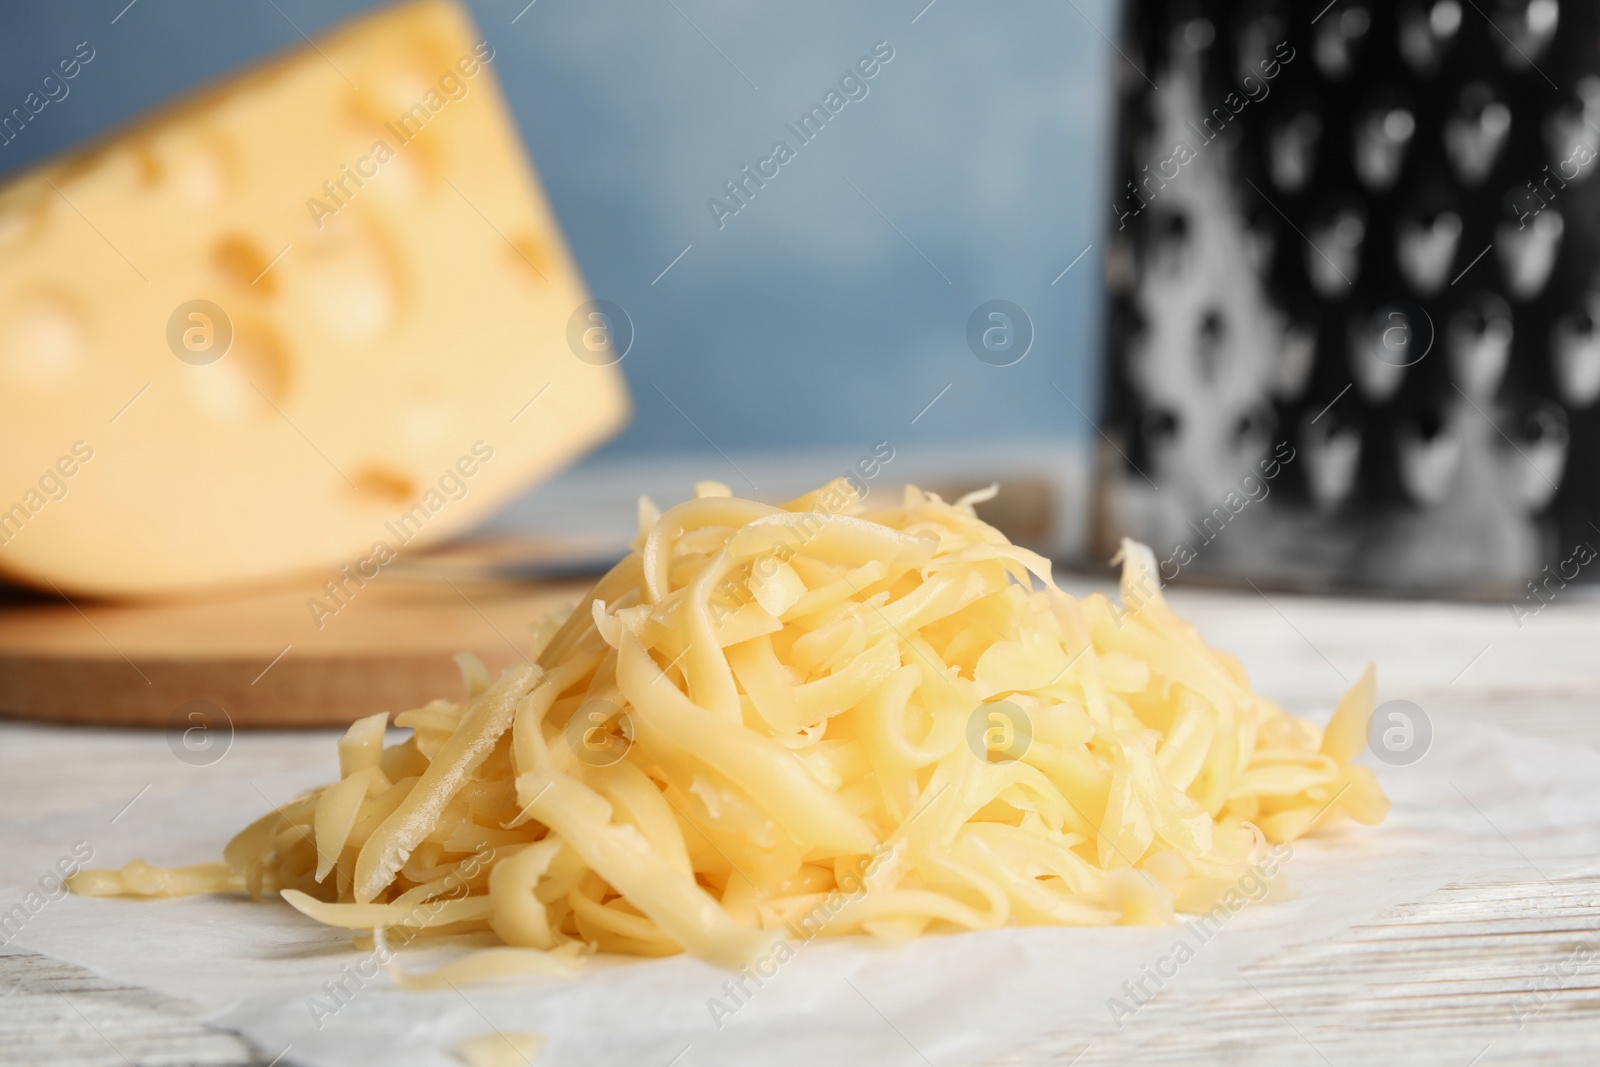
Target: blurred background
{"x":828,"y":314}
{"x":1304,"y":297}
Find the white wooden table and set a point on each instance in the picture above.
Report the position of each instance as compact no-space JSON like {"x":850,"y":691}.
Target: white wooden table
{"x":1439,"y":980}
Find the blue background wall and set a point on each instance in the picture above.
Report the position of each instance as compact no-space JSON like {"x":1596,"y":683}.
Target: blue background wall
{"x":821,"y":314}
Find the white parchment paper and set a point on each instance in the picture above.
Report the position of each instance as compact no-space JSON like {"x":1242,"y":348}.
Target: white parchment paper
{"x":1480,"y":800}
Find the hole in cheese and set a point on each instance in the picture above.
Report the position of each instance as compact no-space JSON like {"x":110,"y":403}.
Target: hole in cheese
{"x":147,"y":165}
{"x":241,"y":260}
{"x":20,"y":216}
{"x":351,"y":279}
{"x":385,"y":112}
{"x":256,"y":374}
{"x":262,"y":357}
{"x":532,"y":256}
{"x":202,"y":163}
{"x":41,"y":339}
{"x":385,"y":484}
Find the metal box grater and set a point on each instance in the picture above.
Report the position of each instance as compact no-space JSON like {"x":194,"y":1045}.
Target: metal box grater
{"x":1354,"y":268}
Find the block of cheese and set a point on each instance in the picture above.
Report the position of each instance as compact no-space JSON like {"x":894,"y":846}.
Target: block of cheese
{"x":313,"y":317}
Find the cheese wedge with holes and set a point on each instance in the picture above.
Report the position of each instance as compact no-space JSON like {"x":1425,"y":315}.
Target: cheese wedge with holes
{"x":310,"y":319}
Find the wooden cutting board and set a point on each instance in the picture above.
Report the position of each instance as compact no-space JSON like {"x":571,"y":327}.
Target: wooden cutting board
{"x":260,"y":659}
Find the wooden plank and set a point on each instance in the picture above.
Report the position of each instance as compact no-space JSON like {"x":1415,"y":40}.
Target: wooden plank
{"x":53,"y":1014}
{"x":1435,"y":981}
